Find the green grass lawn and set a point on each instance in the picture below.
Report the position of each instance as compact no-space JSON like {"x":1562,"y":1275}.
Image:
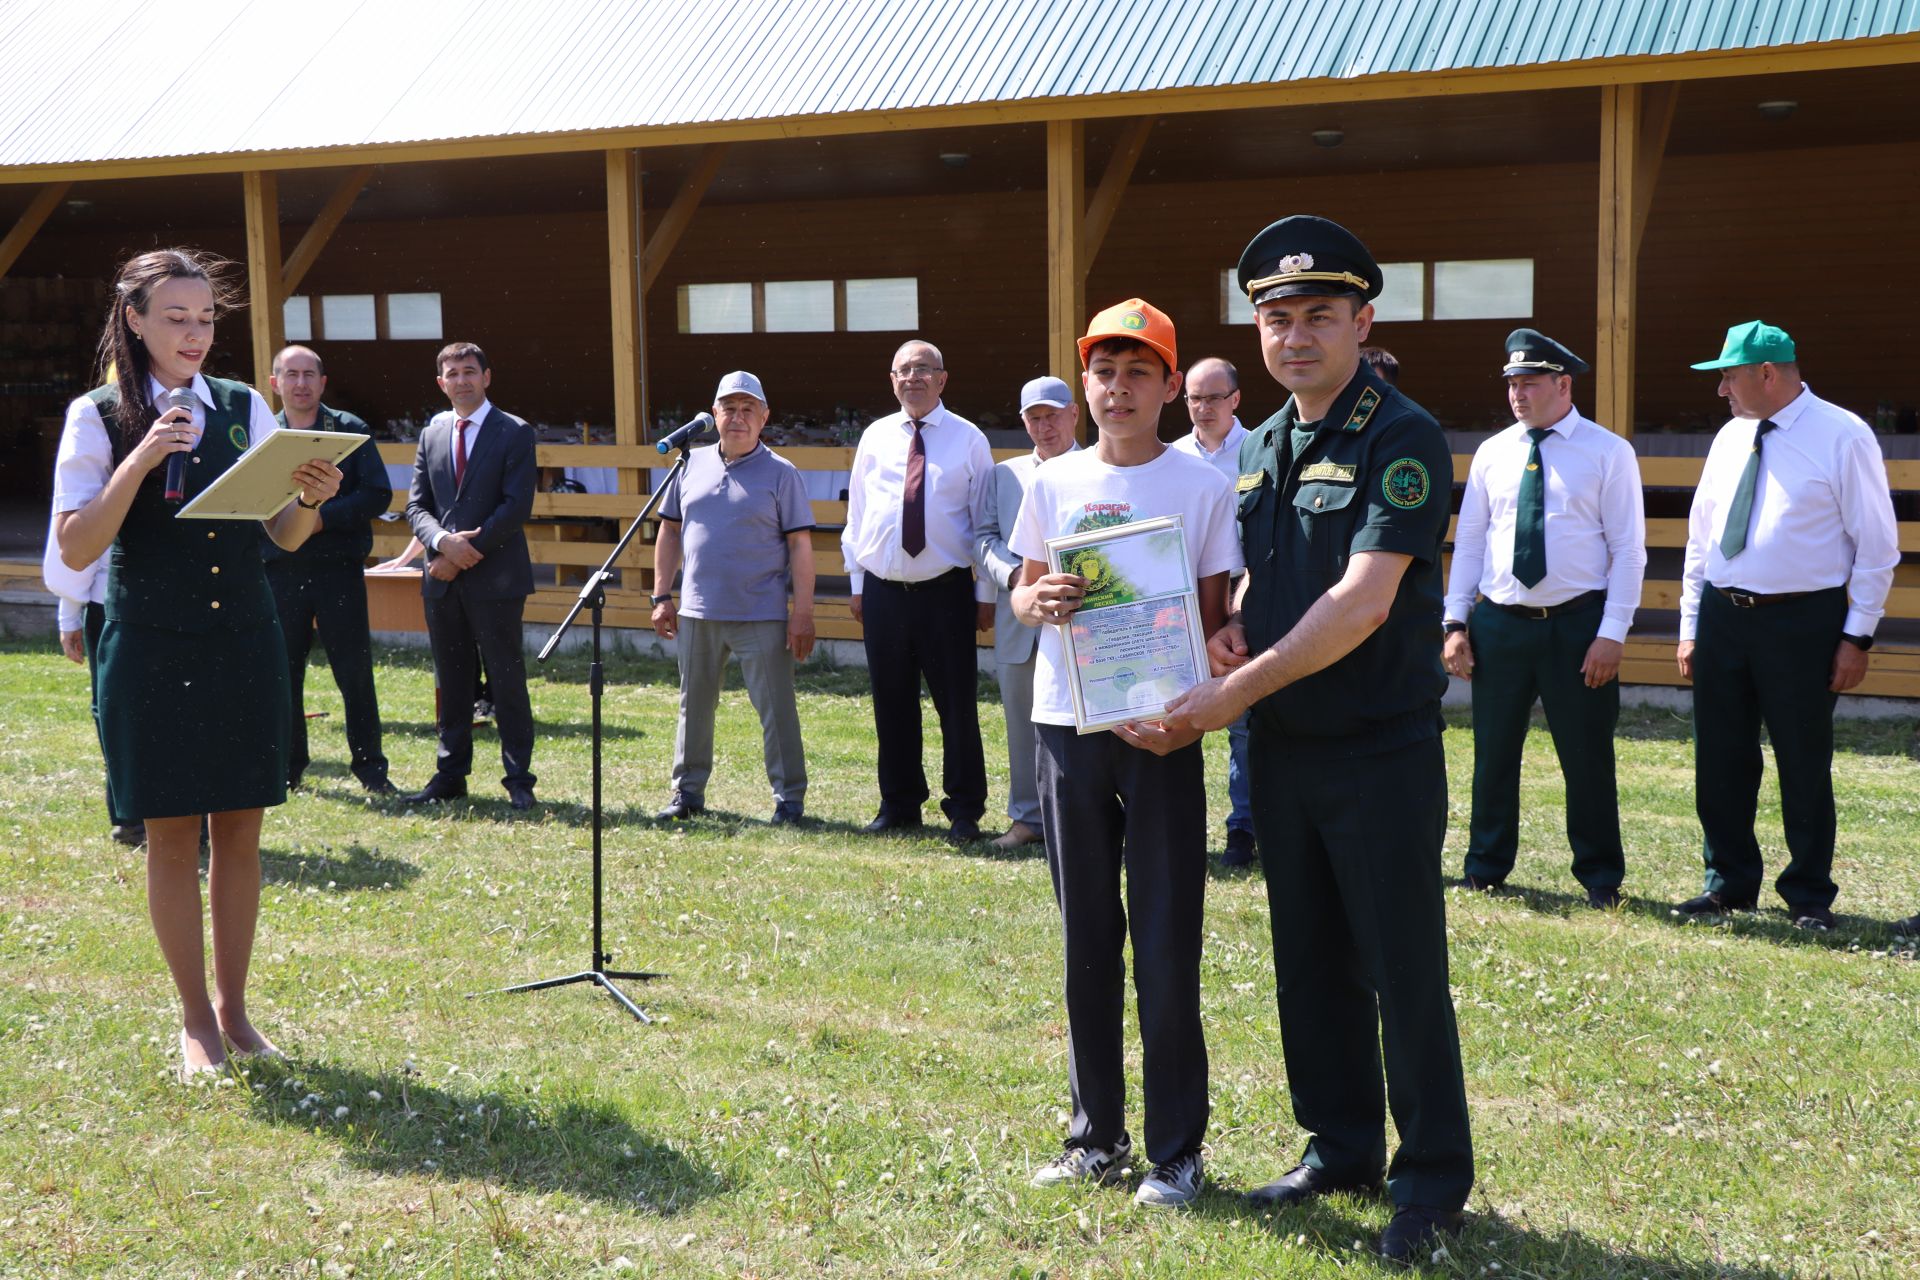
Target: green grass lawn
{"x":860,"y":1051}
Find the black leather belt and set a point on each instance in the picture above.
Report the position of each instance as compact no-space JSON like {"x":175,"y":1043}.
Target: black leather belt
{"x":1584,"y":600}
{"x":925,"y":584}
{"x":1748,"y":600}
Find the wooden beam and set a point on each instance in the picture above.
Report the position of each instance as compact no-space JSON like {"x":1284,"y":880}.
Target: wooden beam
{"x":1066,"y":222}
{"x":1657,"y":102}
{"x":680,"y":213}
{"x":1888,"y":51}
{"x":28,"y":224}
{"x":325,"y":223}
{"x":1613,"y":340}
{"x":265,"y":315}
{"x":623,"y":276}
{"x":1113,"y":185}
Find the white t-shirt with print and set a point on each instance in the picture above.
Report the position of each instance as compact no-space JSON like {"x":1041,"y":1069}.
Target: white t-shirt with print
{"x":1076,"y":492}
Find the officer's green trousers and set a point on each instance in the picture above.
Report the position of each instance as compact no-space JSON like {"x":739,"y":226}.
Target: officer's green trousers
{"x":1769,"y":665}
{"x":1516,"y":660}
{"x":1351,"y":847}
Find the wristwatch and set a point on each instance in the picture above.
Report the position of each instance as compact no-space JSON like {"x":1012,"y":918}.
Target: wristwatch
{"x":301,"y":501}
{"x":1862,"y":643}
{"x":664,"y":599}
{"x":1449,"y":628}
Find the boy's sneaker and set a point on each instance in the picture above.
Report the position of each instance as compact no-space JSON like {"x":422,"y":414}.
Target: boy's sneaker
{"x":1172,"y":1184}
{"x":1085,"y":1164}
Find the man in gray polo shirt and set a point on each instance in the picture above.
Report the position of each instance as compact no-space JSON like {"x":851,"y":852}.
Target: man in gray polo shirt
{"x":739,"y":520}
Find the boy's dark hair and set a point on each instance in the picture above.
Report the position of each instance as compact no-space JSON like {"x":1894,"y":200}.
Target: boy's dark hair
{"x":1383,"y":363}
{"x":459,"y":351}
{"x":1115,"y":347}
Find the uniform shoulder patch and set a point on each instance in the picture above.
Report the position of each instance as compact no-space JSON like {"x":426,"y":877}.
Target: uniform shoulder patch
{"x":1247,"y":483}
{"x":1405,"y":483}
{"x":1363,"y":409}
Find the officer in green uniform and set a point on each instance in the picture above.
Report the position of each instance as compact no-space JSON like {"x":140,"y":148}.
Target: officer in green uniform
{"x":1335,"y":645}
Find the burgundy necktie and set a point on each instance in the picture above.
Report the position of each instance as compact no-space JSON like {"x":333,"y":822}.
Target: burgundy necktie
{"x":913,"y":509}
{"x":460,"y":452}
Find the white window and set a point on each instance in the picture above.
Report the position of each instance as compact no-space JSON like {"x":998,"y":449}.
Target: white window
{"x":891,"y":302}
{"x":1403,"y":291}
{"x":799,"y":306}
{"x":716,"y":308}
{"x":1234,"y":307}
{"x":297,"y":318}
{"x":1488,"y":289}
{"x":347,"y":316}
{"x":413,"y":315}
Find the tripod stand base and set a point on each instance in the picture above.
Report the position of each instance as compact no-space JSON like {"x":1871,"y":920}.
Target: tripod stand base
{"x":603,"y":977}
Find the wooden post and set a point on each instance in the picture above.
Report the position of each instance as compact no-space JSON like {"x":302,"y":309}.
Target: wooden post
{"x":265,"y":315}
{"x":1634,"y":121}
{"x":31,"y":219}
{"x":1066,"y":277}
{"x":624,"y":212}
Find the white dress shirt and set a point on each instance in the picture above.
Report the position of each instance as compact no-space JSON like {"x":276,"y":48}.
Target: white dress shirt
{"x":84,"y":462}
{"x":1596,"y":523}
{"x":1822,"y":514}
{"x":959,"y":470}
{"x":1225,"y":459}
{"x":475,"y":425}
{"x":75,"y":589}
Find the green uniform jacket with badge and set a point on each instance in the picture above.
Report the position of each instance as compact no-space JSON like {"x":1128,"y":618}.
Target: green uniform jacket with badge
{"x":1376,"y":476}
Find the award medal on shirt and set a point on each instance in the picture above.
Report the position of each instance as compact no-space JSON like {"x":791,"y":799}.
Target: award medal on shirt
{"x":237,"y":432}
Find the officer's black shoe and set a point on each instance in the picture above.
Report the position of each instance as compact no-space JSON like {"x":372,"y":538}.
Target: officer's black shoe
{"x":134,"y":834}
{"x":1239,"y":850}
{"x":293,"y":783}
{"x":1813,"y":919}
{"x":380,"y":787}
{"x":1603,"y":899}
{"x":884,"y":821}
{"x":679,"y":809}
{"x":1712,"y":904}
{"x":964,"y":831}
{"x":787,"y":813}
{"x":1416,"y":1231}
{"x":1480,"y":884}
{"x":1302,"y":1183}
{"x":439,"y":787}
{"x":1908,"y":928}
{"x":520,"y":796}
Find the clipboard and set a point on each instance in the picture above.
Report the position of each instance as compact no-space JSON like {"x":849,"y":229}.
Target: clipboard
{"x":259,"y":486}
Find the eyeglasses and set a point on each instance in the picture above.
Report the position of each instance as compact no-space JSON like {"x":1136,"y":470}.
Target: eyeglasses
{"x":1206,"y":400}
{"x":906,"y":371}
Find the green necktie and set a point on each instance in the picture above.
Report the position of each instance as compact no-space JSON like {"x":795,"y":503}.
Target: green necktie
{"x":1733,"y":539}
{"x":1530,"y":521}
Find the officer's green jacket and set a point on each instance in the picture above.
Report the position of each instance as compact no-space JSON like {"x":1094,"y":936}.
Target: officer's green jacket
{"x":1377,"y":475}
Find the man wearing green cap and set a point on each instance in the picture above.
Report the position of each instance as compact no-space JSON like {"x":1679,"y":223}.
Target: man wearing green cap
{"x":1343,"y":505}
{"x":1791,"y":547}
{"x":1552,"y":540}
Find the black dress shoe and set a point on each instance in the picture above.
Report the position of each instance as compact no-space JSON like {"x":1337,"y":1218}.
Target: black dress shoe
{"x":964,"y":831}
{"x":787,"y":813}
{"x":1302,"y":1183}
{"x":1480,"y":884}
{"x":1603,"y":899}
{"x":439,"y":787}
{"x":1416,"y":1231}
{"x":679,"y":809}
{"x":1239,"y":851}
{"x":1908,"y":928}
{"x":134,"y":834}
{"x":1712,"y":904}
{"x":884,"y":821}
{"x":380,"y":787}
{"x":519,"y":797}
{"x":1813,"y":919}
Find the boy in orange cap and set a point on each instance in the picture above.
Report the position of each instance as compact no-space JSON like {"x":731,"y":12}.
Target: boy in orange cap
{"x":1134,"y":797}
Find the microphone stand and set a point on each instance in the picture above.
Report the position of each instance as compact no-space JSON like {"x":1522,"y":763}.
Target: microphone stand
{"x":593,"y":596}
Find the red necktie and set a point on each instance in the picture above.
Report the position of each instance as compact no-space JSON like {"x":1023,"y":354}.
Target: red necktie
{"x":913,"y":510}
{"x":460,"y":452}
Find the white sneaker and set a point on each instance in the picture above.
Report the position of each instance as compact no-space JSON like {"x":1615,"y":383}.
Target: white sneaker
{"x":1172,"y":1184}
{"x":1085,"y":1164}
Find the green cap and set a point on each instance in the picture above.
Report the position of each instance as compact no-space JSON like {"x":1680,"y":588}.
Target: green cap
{"x":1755,"y":342}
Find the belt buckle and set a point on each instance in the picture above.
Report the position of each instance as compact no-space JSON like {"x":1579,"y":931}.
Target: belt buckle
{"x":1536,"y":612}
{"x":1743,"y":599}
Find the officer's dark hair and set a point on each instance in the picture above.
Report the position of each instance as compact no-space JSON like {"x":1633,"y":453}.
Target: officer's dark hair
{"x":122,"y":356}
{"x":1233,"y":374}
{"x":1383,"y":363}
{"x":459,"y":351}
{"x":1115,"y":347}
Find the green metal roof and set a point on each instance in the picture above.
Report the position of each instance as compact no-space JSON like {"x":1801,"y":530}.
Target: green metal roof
{"x":126,"y":79}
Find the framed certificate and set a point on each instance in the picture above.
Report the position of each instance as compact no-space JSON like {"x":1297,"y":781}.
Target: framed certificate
{"x":261,"y":484}
{"x":1135,"y":643}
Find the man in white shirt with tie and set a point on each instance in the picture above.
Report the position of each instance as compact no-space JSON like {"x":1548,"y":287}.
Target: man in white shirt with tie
{"x":916,"y":499}
{"x":1552,"y":539}
{"x":1791,"y":547}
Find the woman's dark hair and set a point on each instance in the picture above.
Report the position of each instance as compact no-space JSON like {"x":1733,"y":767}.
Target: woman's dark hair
{"x":122,"y":355}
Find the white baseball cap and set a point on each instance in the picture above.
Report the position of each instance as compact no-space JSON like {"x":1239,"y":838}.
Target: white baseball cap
{"x":739,"y":382}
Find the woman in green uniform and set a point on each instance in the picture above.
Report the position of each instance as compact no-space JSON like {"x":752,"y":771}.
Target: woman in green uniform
{"x":192,"y":666}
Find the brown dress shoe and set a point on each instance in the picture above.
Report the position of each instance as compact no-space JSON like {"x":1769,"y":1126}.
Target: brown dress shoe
{"x":1017,"y":836}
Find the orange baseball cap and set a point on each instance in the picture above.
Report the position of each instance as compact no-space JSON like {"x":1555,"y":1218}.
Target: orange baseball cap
{"x":1138,"y":319}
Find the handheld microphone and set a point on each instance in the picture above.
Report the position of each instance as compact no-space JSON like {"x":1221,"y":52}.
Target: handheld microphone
{"x":178,"y":398}
{"x":682,"y":437}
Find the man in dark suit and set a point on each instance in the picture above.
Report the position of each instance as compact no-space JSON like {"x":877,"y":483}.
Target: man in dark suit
{"x":322,"y":584}
{"x":473,"y":484}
